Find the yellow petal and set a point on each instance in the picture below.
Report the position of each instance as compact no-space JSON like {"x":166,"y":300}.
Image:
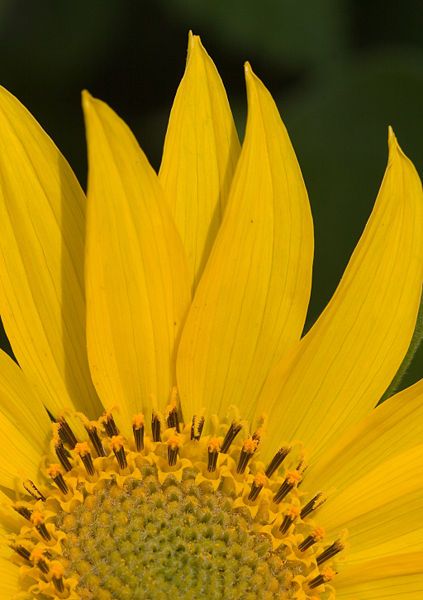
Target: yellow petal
{"x":398,"y":577}
{"x":9,"y":578}
{"x":10,"y":520}
{"x":23,"y":455}
{"x":136,"y":278}
{"x":349,"y":357}
{"x":380,"y":506}
{"x":41,"y":261}
{"x":392,"y":427}
{"x":251,"y":302}
{"x":412,"y":541}
{"x":199,"y":156}
{"x":21,"y":406}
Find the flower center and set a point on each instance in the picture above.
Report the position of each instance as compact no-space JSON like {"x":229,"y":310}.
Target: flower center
{"x":178,"y":514}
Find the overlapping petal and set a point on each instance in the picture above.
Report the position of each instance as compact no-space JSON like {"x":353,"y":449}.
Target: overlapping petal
{"x":42,"y":215}
{"x":348,"y":358}
{"x":380,"y":505}
{"x":9,"y":578}
{"x":199,"y":156}
{"x":399,"y":577}
{"x":391,"y":428}
{"x":24,"y":426}
{"x":21,"y":406}
{"x":136,"y":277}
{"x":250,"y":304}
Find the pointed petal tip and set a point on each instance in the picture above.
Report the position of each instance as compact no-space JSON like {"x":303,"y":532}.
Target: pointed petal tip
{"x":248,"y":71}
{"x":194,"y":44}
{"x":395,"y":150}
{"x":392,"y":140}
{"x":87,"y":99}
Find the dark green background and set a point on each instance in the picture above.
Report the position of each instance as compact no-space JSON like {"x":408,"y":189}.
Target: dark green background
{"x":340,"y":71}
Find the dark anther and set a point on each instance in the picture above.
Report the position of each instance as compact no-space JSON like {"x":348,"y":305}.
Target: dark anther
{"x":42,"y":565}
{"x":156,"y":428}
{"x":172,"y":455}
{"x":95,"y":440}
{"x":247,"y":451}
{"x":286,"y":523}
{"x":33,"y":491}
{"x":330,"y":552}
{"x":43,"y":531}
{"x":312,"y":505}
{"x":63,"y":455}
{"x":59,"y":584}
{"x":110,"y":425}
{"x":138,"y":436}
{"x":284,"y":489}
{"x":61,"y":483}
{"x":255,"y":491}
{"x":24,"y":512}
{"x":66,"y":434}
{"x":319,"y":580}
{"x":121,"y":457}
{"x":88,"y":463}
{"x":197,"y":425}
{"x":172,"y":419}
{"x":212,"y":454}
{"x":22,"y":551}
{"x":231,"y":434}
{"x":307,"y":543}
{"x":276,"y":461}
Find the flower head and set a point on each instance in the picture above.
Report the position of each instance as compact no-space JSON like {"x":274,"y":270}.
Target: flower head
{"x":169,"y":433}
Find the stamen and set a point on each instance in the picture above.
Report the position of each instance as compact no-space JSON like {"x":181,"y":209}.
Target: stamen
{"x":213,"y":452}
{"x":312,"y":538}
{"x":117,"y":444}
{"x":292,"y":478}
{"x":38,"y":559}
{"x":248,"y":448}
{"x":95,"y":439}
{"x":66,"y":434}
{"x":326,"y":575}
{"x":156,"y":428}
{"x":138,"y":431}
{"x":56,"y":475}
{"x":173,"y":445}
{"x":330,"y":552}
{"x":197,"y":425}
{"x":33,"y":491}
{"x":172,"y":418}
{"x":276,"y":461}
{"x":83,"y":451}
{"x":231,"y":434}
{"x":37,"y":519}
{"x":109,"y":424}
{"x":315,"y":503}
{"x":288,"y":519}
{"x":23,"y":511}
{"x":57,"y":572}
{"x":259,"y":481}
{"x":22,"y":551}
{"x":63,"y":455}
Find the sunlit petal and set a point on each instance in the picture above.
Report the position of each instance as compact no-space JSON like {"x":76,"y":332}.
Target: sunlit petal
{"x":136,"y":277}
{"x":349,"y":357}
{"x":42,"y":215}
{"x":199,"y":157}
{"x":250,"y":305}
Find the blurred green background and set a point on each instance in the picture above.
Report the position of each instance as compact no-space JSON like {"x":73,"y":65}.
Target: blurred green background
{"x":340,"y":71}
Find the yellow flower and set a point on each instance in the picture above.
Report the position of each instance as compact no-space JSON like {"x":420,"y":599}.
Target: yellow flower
{"x":266,"y":472}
